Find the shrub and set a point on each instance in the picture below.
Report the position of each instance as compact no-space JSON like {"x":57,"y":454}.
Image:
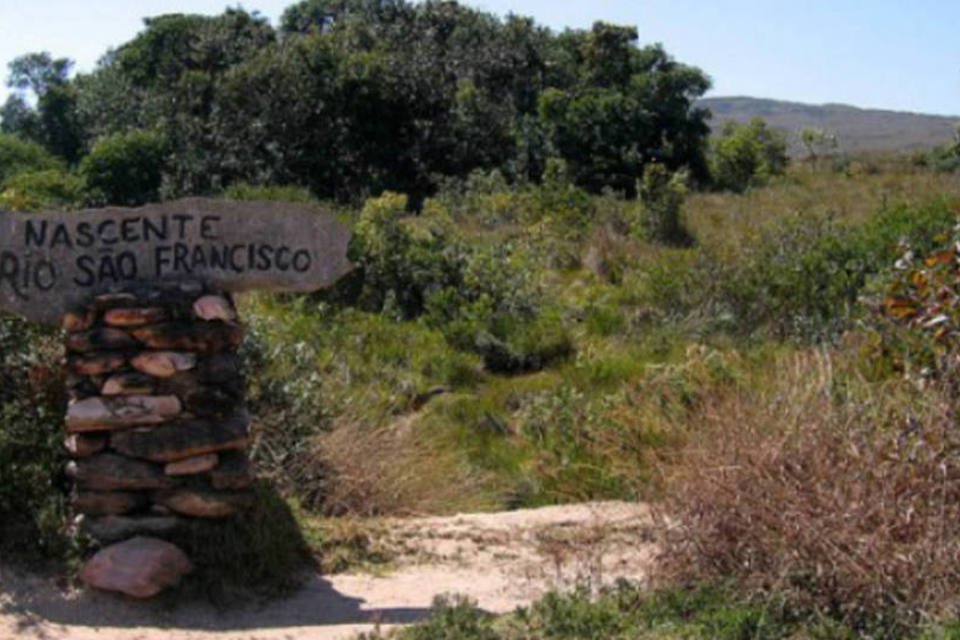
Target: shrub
{"x":32,"y":458}
{"x":803,"y":277}
{"x":18,"y":155}
{"x":838,"y":497}
{"x":125,"y":168}
{"x":661,"y":196}
{"x":747,"y":155}
{"x":48,"y":189}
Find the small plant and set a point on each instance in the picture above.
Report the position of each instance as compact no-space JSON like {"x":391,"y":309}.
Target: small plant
{"x":661,"y":196}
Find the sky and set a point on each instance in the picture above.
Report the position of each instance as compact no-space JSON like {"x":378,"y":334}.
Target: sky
{"x":889,"y":54}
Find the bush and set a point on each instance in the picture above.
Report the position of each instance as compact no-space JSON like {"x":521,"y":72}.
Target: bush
{"x":18,"y":156}
{"x":125,"y":168}
{"x":803,"y":278}
{"x":48,"y":189}
{"x":661,"y":196}
{"x":32,"y":483}
{"x":747,"y":155}
{"x":840,"y":498}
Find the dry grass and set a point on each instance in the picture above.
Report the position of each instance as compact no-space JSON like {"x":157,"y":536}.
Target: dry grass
{"x":843,"y":498}
{"x":396,"y":470}
{"x":727,"y":221}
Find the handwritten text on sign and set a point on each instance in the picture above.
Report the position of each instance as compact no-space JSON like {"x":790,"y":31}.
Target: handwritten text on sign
{"x":50,"y":262}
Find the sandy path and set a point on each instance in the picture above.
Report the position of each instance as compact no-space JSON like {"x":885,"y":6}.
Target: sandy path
{"x":501,"y":560}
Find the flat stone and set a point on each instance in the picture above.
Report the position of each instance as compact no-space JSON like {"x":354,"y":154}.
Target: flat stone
{"x":134,"y":316}
{"x":233,"y":472}
{"x":96,"y":363}
{"x":192,"y":466}
{"x":183,"y":439}
{"x":79,"y":319}
{"x":82,"y":445}
{"x":103,"y":339}
{"x":103,"y":503}
{"x":220,"y":367}
{"x":111,"y":472}
{"x":214,"y":308}
{"x":111,"y":528}
{"x":113,"y":412}
{"x":140,"y":567}
{"x":163,"y":364}
{"x":129,"y":384}
{"x":190,"y":336}
{"x":189,"y":383}
{"x":204,"y":503}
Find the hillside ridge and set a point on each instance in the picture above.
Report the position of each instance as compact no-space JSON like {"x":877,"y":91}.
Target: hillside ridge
{"x":858,"y":129}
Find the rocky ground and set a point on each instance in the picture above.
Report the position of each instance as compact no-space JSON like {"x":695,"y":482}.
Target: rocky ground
{"x":501,"y":560}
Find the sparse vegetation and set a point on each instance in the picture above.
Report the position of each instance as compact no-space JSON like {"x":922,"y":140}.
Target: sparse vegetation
{"x":541,"y":312}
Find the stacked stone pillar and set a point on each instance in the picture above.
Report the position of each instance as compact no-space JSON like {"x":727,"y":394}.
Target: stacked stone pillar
{"x":156,"y":427}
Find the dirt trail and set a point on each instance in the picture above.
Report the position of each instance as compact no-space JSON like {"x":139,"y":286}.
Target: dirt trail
{"x":501,"y":560}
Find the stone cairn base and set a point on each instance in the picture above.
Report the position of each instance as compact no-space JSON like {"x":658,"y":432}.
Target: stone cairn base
{"x":156,"y":427}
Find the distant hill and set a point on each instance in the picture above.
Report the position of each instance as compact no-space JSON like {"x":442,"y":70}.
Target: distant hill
{"x":858,"y":129}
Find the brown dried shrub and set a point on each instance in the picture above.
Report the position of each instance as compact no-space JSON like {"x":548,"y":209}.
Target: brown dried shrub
{"x":838,"y":496}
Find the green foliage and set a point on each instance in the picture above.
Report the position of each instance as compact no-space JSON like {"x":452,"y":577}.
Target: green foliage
{"x":454,"y":618}
{"x":125,"y":169}
{"x":622,"y":612}
{"x":32,"y":485}
{"x":661,"y":197}
{"x":18,"y":156}
{"x":53,"y":122}
{"x":359,"y":97}
{"x":804,"y":278}
{"x":747,"y":155}
{"x":49,"y":189}
{"x":250,"y":192}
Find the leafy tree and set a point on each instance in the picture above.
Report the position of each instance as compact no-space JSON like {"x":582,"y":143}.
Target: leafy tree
{"x":747,"y":155}
{"x":53,"y":123}
{"x":125,"y":169}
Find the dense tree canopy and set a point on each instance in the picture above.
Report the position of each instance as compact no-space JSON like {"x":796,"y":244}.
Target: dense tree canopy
{"x":354,"y":97}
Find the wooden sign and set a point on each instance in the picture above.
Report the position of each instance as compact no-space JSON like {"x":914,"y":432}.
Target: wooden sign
{"x":50,"y":262}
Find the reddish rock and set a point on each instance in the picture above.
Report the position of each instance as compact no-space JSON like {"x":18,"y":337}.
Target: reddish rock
{"x":103,"y":339}
{"x":203,"y":503}
{"x":103,"y":503}
{"x":125,"y":384}
{"x":101,"y":413}
{"x":81,"y":445}
{"x":192,"y":466}
{"x":96,"y":363}
{"x":233,"y":472}
{"x":134,"y":317}
{"x":183,"y":439}
{"x":185,"y":336}
{"x":110,"y":472}
{"x":140,"y":567}
{"x":163,"y":364}
{"x":214,"y":308}
{"x":78,"y":319}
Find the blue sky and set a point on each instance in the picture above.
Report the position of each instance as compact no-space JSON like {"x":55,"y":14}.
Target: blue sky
{"x":872,"y":53}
